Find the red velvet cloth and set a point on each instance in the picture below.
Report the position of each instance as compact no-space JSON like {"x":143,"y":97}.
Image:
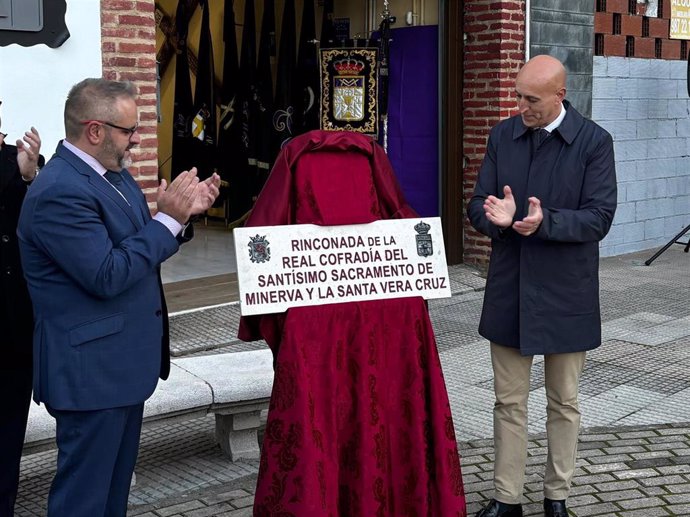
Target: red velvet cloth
{"x":359,"y":422}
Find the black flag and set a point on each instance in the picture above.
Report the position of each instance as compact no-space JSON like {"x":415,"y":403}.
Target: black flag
{"x":284,"y":108}
{"x":204,"y":121}
{"x":249,"y":110}
{"x":384,"y":61}
{"x":232,"y":157}
{"x":328,"y":35}
{"x":306,"y":88}
{"x":264,"y":93}
{"x":248,"y":89}
{"x":184,"y":104}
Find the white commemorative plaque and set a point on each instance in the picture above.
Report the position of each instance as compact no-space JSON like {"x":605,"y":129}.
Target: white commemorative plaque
{"x":279,"y":267}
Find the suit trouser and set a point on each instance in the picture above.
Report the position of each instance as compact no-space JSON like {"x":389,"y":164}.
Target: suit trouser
{"x":97,"y":451}
{"x":511,"y":387}
{"x":15,"y":390}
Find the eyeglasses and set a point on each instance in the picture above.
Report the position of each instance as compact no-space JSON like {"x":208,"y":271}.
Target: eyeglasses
{"x":129,"y":130}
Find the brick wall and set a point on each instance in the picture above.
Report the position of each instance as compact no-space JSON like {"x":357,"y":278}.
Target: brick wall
{"x":128,"y":41}
{"x":626,"y":29}
{"x":494,"y":51}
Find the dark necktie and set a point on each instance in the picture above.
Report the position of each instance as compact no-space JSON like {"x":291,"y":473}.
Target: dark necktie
{"x":115,"y":179}
{"x":540,"y":135}
{"x":129,"y":194}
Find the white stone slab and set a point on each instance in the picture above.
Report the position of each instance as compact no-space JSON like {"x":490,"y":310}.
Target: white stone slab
{"x":182,"y":392}
{"x":234,"y":377}
{"x":41,"y":426}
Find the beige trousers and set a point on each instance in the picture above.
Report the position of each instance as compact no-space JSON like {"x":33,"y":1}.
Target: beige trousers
{"x":511,"y":387}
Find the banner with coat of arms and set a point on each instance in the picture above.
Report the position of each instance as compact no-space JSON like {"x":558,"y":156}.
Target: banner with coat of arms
{"x":349,"y":90}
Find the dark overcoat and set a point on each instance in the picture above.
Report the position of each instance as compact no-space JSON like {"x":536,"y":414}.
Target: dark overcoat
{"x":542,"y":291}
{"x":16,"y":319}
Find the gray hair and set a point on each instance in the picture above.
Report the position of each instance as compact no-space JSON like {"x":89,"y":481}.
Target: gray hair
{"x":94,"y":99}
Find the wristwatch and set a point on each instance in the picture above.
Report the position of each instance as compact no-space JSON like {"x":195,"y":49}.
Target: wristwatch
{"x":38,"y":169}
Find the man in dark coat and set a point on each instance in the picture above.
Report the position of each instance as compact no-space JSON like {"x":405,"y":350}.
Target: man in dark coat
{"x":546,"y":195}
{"x":18,"y":167}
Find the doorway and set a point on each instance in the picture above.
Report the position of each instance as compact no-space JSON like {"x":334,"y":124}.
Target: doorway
{"x":430,"y":162}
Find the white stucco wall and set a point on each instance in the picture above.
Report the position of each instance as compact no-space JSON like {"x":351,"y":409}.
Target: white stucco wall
{"x":34,"y":81}
{"x":644,"y":104}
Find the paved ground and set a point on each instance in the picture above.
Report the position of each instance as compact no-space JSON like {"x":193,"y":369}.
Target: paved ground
{"x":634,"y":457}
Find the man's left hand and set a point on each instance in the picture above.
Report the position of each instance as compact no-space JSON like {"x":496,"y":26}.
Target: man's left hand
{"x":207,"y":192}
{"x":530,"y":224}
{"x":28,"y":151}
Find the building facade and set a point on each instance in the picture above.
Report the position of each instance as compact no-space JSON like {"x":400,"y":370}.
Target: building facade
{"x":624,"y":72}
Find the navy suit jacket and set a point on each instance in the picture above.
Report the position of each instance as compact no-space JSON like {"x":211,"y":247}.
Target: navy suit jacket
{"x":92,"y":265}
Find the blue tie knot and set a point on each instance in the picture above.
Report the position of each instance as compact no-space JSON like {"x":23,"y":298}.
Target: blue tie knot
{"x":113,"y":177}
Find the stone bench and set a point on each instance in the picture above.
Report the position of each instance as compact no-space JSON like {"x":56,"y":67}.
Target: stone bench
{"x":235,"y":387}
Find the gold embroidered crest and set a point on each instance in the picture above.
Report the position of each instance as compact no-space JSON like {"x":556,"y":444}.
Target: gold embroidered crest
{"x":349,"y":90}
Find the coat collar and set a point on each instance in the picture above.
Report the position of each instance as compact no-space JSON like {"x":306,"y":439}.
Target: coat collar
{"x":80,"y":165}
{"x":568,"y":129}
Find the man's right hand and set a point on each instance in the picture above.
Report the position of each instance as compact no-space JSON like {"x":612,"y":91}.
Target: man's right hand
{"x":500,"y":211}
{"x":177,"y":199}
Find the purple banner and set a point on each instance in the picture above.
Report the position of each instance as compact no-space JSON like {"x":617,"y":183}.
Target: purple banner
{"x":413,"y":115}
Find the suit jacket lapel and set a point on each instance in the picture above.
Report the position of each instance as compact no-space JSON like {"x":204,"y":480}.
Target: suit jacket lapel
{"x":138,"y":198}
{"x":101,"y":184}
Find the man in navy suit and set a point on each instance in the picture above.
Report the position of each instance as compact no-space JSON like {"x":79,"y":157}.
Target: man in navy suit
{"x":18,"y":166}
{"x":91,"y":254}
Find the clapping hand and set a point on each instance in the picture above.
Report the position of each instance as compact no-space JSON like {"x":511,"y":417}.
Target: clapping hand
{"x":500,"y":211}
{"x":207,"y":192}
{"x":178,"y":199}
{"x":530,"y":224}
{"x":187,"y":196}
{"x":28,"y":151}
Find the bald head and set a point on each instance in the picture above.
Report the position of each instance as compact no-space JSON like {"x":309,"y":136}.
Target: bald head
{"x":540,"y":90}
{"x":544,"y":69}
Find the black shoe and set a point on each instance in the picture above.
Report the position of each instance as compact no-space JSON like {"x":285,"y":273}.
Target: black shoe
{"x":555,"y":508}
{"x":496,"y":509}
